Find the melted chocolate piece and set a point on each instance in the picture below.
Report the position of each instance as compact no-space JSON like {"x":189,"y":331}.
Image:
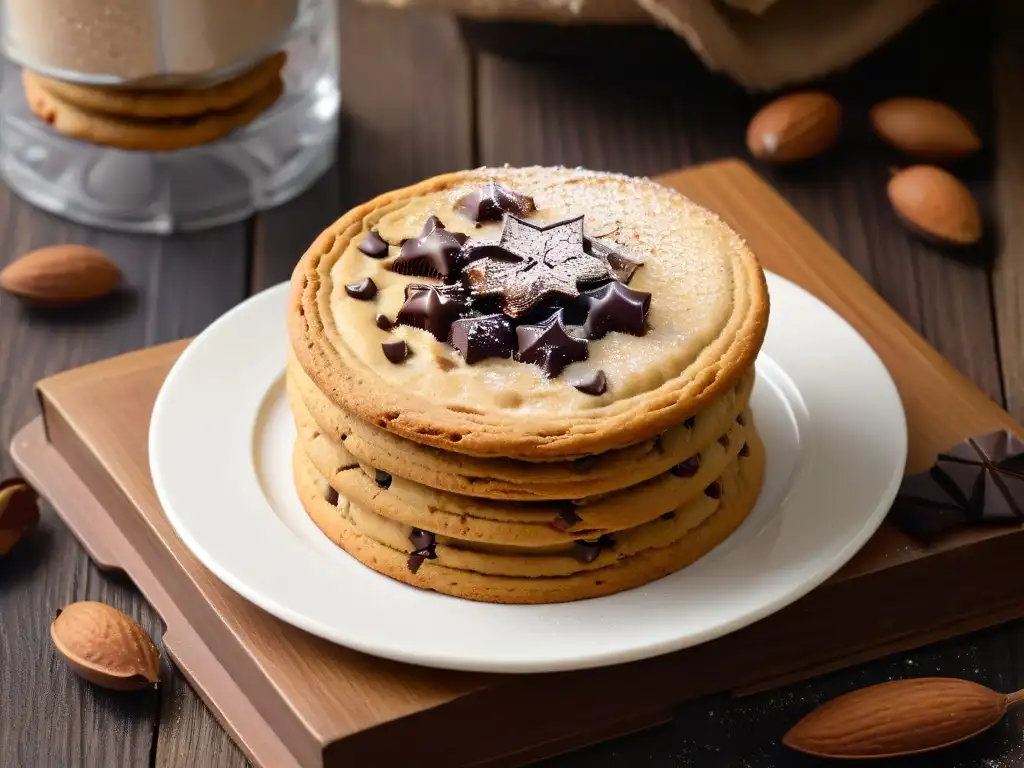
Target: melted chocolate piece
{"x":478,"y":338}
{"x":331,"y":496}
{"x":422,"y":539}
{"x":549,"y":346}
{"x":566,"y":518}
{"x":395,"y":351}
{"x":384,"y":322}
{"x":383,"y":478}
{"x":621,"y":265}
{"x":364,"y":290}
{"x":687,"y":467}
{"x":425,"y":544}
{"x":595,"y":384}
{"x":977,"y":481}
{"x":530,"y":263}
{"x":614,"y":307}
{"x":587,"y":551}
{"x":492,"y":201}
{"x":374,"y":246}
{"x":714,"y":490}
{"x":744,"y":451}
{"x":432,"y":254}
{"x":432,"y":308}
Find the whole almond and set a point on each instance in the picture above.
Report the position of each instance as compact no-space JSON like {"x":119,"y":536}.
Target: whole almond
{"x":935,"y":204}
{"x":924,"y":128}
{"x":900,"y":717}
{"x":60,"y":274}
{"x":794,"y":127}
{"x":105,"y":647}
{"x":19,"y":512}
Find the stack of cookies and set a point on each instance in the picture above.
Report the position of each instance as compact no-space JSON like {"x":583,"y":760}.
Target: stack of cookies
{"x":154,"y":119}
{"x":526,"y":385}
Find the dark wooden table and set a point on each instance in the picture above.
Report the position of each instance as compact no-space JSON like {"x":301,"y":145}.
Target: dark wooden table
{"x":421,"y":96}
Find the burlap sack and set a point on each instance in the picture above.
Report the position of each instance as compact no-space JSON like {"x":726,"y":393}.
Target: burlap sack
{"x":762,"y":44}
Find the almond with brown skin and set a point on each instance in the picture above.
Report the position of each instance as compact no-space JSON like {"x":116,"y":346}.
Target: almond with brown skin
{"x":19,"y":512}
{"x":936,"y":205}
{"x":897,"y":718}
{"x":794,"y":127}
{"x":924,"y":128}
{"x":60,"y":274}
{"x":106,"y":647}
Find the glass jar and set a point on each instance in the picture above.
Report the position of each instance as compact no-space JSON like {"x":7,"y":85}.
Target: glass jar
{"x":155,"y":46}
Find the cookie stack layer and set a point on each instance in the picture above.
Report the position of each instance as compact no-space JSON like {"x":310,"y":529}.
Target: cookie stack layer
{"x":154,"y":119}
{"x":526,"y":385}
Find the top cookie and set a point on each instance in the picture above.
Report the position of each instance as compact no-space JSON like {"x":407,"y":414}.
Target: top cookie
{"x":612,"y":309}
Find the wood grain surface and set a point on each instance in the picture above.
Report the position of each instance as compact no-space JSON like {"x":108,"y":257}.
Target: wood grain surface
{"x":417,"y":100}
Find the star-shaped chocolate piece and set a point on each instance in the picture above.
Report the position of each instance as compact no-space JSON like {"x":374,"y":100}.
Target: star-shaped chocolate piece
{"x":550,"y":346}
{"x":979,"y":480}
{"x":433,"y":308}
{"x":530,"y":262}
{"x":478,"y":338}
{"x":432,"y":254}
{"x":621,"y":265}
{"x":491,"y":201}
{"x":614,"y":307}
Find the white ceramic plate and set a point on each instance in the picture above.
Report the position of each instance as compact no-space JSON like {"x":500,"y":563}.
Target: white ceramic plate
{"x":220,"y":445}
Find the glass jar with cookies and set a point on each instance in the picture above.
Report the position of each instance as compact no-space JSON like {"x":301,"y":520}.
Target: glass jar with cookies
{"x":166,"y":115}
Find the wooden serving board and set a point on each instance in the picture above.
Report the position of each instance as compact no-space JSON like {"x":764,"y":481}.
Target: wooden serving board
{"x":291,"y":699}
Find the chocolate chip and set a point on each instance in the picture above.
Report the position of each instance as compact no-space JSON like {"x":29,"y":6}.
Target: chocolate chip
{"x":384,"y":322}
{"x":668,"y":516}
{"x":364,"y":290}
{"x":374,"y":246}
{"x":689,"y":421}
{"x":432,"y":308}
{"x":424,"y":544}
{"x":416,"y":558}
{"x":714,"y":490}
{"x":744,"y":450}
{"x":395,"y":351}
{"x":529,"y":263}
{"x":422,"y":539}
{"x":491,"y":201}
{"x":621,"y":265}
{"x":724,"y":441}
{"x":549,"y":346}
{"x":331,"y":496}
{"x":687,"y":467}
{"x":587,"y":551}
{"x":383,"y":478}
{"x":595,"y":384}
{"x":478,"y":338}
{"x":432,"y":254}
{"x":614,"y":307}
{"x":659,"y":444}
{"x":977,"y":481}
{"x":566,"y":518}
{"x":739,"y":420}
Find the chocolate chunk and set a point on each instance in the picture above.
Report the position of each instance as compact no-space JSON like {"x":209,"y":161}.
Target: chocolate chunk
{"x":714,"y":490}
{"x":980,"y":480}
{"x":724,"y":441}
{"x":739,"y":420}
{"x":614,"y":307}
{"x":374,"y":246}
{"x":566,"y":518}
{"x":668,"y":516}
{"x":621,"y":265}
{"x":416,"y":558}
{"x":383,"y":478}
{"x":364,"y":290}
{"x":689,"y":421}
{"x":432,"y":254}
{"x":528,"y":263}
{"x":422,"y":539}
{"x":687,"y":467}
{"x":491,"y":201}
{"x":744,"y":450}
{"x":432,"y":308}
{"x":594,"y":384}
{"x":384,"y":322}
{"x":395,"y":351}
{"x":587,"y":551}
{"x":549,"y":346}
{"x":659,"y":444}
{"x":331,"y":496}
{"x":478,"y":338}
